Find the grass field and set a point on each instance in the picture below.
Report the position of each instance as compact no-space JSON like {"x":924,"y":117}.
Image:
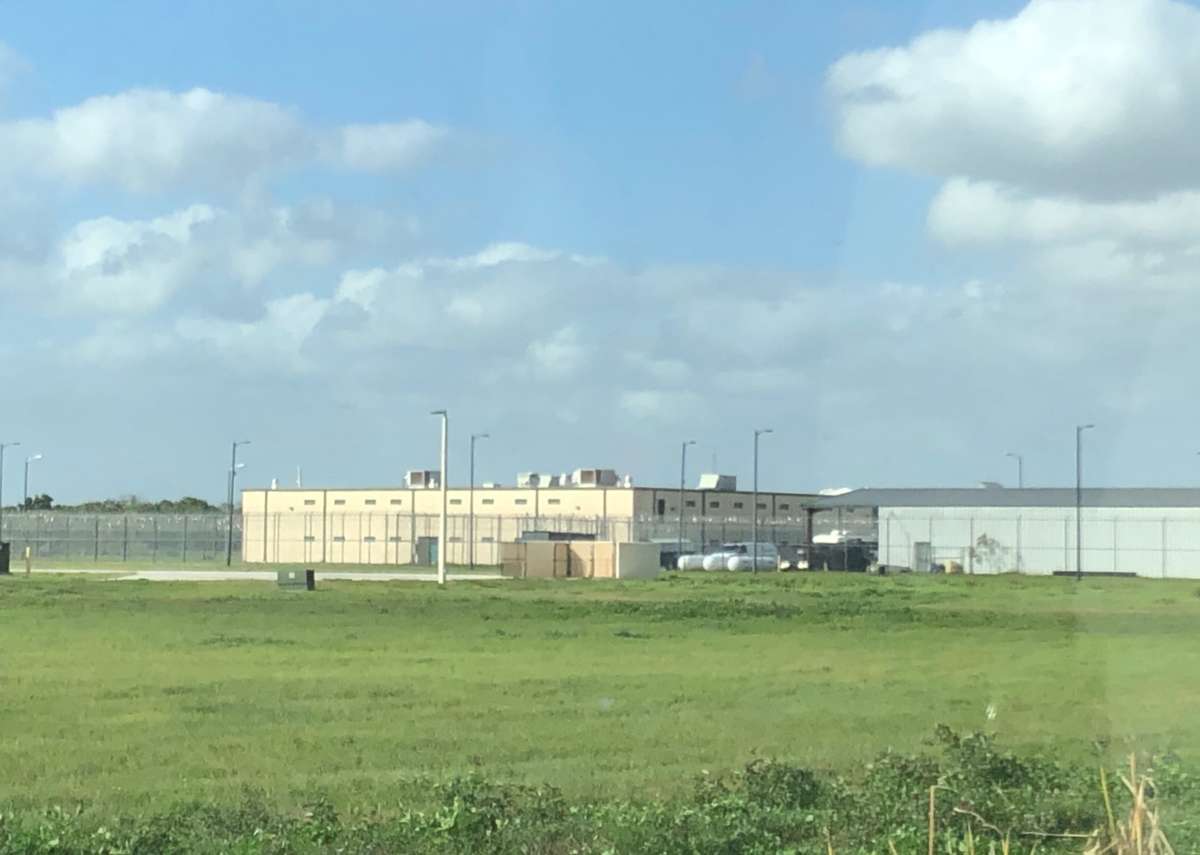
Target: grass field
{"x":128,"y":695}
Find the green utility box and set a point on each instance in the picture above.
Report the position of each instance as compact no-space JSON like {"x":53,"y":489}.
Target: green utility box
{"x":296,"y":580}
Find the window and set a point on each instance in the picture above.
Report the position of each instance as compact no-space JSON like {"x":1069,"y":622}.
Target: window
{"x":395,"y":538}
{"x":308,"y":538}
{"x":489,"y":501}
{"x":762,"y":506}
{"x":369,"y":502}
{"x":370,"y":538}
{"x":397,"y":501}
{"x":456,"y":501}
{"x":784,"y":507}
{"x":554,"y":501}
{"x":522,"y":501}
{"x":737,"y":505}
{"x":714,"y":505}
{"x":662,"y":507}
{"x":691,"y":503}
{"x":456,"y":539}
{"x":487,"y":538}
{"x":310,"y":501}
{"x":337,"y":538}
{"x":339,"y":501}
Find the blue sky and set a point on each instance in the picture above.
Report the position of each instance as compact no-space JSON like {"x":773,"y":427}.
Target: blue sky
{"x":909,"y":237}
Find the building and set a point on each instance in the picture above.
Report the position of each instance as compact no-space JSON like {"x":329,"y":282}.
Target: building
{"x":399,"y":525}
{"x":1153,"y":532}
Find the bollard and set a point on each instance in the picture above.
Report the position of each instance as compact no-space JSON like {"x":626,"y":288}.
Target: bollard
{"x":28,"y":560}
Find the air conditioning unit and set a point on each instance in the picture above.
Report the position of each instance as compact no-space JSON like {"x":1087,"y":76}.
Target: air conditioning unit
{"x":422,"y":479}
{"x":595,"y":478}
{"x":720,"y":483}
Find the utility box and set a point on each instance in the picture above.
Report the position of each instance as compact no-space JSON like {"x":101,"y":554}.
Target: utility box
{"x":296,"y":580}
{"x":5,"y":557}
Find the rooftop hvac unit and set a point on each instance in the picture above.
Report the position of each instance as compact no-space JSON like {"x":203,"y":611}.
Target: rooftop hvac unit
{"x":421,"y":479}
{"x":595,"y":478}
{"x":529,"y":480}
{"x":721,"y":483}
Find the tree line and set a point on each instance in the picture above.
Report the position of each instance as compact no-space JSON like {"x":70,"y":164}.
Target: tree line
{"x":125,"y":505}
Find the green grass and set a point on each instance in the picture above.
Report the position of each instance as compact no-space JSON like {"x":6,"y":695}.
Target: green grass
{"x":136,"y":565}
{"x":129,"y":695}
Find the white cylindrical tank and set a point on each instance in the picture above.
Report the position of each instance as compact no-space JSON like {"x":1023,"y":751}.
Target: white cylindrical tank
{"x":690,"y":562}
{"x":715,"y":561}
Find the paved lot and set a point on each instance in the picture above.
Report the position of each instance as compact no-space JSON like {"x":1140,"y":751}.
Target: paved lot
{"x":257,"y":575}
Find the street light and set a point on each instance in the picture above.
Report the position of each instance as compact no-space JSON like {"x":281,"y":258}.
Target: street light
{"x":1079,"y":500}
{"x":28,"y":460}
{"x":1020,"y":467}
{"x":233,"y":469}
{"x":471,"y":499}
{"x":757,"y":434}
{"x":441,"y":568}
{"x":3,"y":445}
{"x":682,"y":476}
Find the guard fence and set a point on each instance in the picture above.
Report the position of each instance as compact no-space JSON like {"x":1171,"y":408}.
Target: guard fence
{"x":75,"y":537}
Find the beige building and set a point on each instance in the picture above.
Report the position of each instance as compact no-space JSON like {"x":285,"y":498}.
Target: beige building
{"x":399,"y":525}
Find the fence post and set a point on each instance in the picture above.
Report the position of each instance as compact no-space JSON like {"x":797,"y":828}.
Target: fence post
{"x":971,"y":545}
{"x":154,"y":546}
{"x":125,"y":540}
{"x":1164,"y":547}
{"x":96,"y":542}
{"x":185,"y":534}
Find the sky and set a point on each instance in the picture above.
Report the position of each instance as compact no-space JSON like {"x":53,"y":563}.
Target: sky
{"x":907,"y":237}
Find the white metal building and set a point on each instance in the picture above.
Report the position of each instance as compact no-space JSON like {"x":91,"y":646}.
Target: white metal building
{"x":1144,"y":531}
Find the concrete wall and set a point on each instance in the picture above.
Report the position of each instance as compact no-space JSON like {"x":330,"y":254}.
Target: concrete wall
{"x":1153,"y":542}
{"x":399,"y":525}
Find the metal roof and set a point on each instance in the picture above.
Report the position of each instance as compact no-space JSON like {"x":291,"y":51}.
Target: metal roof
{"x":1003,"y":497}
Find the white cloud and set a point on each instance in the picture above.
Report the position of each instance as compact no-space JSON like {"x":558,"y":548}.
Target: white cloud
{"x":660,"y":405}
{"x":1096,"y":98}
{"x":150,"y":140}
{"x":559,"y":355}
{"x":388,"y":147}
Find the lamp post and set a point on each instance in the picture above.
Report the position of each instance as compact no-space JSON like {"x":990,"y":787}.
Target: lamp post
{"x":233,"y":468}
{"x":757,"y":433}
{"x":471,"y":499}
{"x":1020,"y":467}
{"x":682,"y":477}
{"x":28,"y":460}
{"x":3,"y":445}
{"x":1079,"y":500}
{"x":441,"y":565}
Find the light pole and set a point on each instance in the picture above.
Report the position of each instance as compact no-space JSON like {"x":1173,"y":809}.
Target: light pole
{"x":682,"y":477}
{"x":471,"y":499}
{"x":1079,"y":500}
{"x":441,"y":565}
{"x":1020,"y":467}
{"x":233,"y":468}
{"x":3,"y":445}
{"x":28,"y":460}
{"x":757,"y":433}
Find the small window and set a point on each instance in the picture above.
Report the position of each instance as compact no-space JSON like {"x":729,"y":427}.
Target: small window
{"x":522,"y":501}
{"x":737,"y":505}
{"x":337,"y":538}
{"x":395,"y":538}
{"x":487,"y":538}
{"x":369,"y":502}
{"x":397,"y":501}
{"x":456,"y":539}
{"x":554,"y":501}
{"x":691,"y":503}
{"x":339,"y":501}
{"x":784,"y":507}
{"x":714,"y":504}
{"x":456,"y":501}
{"x":370,"y":538}
{"x":762,"y":506}
{"x":489,"y":501}
{"x":310,"y":501}
{"x":308,"y":538}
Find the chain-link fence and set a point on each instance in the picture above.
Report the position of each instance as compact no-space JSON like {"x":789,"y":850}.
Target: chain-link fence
{"x":1124,"y":541}
{"x":74,"y":537}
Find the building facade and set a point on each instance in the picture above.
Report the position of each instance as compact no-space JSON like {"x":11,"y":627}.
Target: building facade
{"x":399,"y":525}
{"x":1150,"y":532}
